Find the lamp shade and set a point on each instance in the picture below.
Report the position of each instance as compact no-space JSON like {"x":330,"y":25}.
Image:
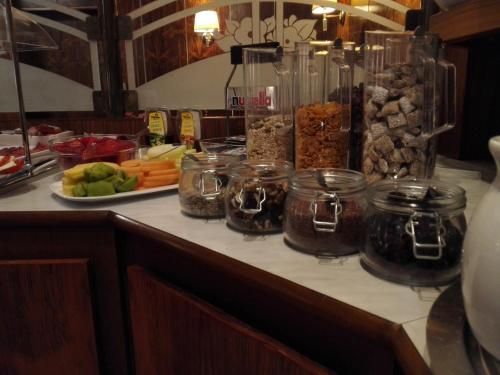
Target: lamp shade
{"x":319,"y":9}
{"x":29,"y":35}
{"x":206,"y":21}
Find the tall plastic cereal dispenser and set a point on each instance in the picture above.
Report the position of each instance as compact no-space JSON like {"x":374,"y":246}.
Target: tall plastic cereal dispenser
{"x":268,"y":79}
{"x":409,"y":98}
{"x":322,"y":105}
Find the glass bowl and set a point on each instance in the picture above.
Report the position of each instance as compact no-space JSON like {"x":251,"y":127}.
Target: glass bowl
{"x":75,"y":150}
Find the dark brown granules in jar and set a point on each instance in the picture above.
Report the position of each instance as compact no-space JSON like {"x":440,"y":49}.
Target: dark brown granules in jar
{"x":300,"y":233}
{"x":269,"y":220}
{"x":319,"y":141}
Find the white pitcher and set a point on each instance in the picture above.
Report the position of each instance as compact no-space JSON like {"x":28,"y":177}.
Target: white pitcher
{"x":481,"y":265}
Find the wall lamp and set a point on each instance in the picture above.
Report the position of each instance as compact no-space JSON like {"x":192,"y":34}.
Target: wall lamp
{"x":324,"y":11}
{"x":206,"y":23}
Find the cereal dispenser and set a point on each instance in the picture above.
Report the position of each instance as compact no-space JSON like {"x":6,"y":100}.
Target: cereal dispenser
{"x":268,"y":103}
{"x":406,"y":88}
{"x":322,"y":105}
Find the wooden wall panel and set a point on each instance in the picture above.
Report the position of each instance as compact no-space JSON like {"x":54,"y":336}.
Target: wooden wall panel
{"x":175,"y":333}
{"x":75,"y":235}
{"x":46,"y":318}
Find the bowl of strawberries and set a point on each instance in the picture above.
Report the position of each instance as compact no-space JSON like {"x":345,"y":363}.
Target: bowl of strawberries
{"x":93,"y":148}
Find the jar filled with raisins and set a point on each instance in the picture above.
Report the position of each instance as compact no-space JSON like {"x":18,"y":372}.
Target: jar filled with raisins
{"x":255,"y":198}
{"x":324,"y":212}
{"x":415,"y":230}
{"x":203,"y":184}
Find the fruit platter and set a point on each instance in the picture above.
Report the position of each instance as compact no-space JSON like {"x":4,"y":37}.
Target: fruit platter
{"x":156,"y":171}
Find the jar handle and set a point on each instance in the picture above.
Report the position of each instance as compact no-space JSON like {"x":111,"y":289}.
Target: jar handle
{"x":440,"y":79}
{"x":261,"y":198}
{"x":216,"y":181}
{"x":449,"y":96}
{"x":411,"y":229}
{"x":326,"y":226}
{"x":345,"y":83}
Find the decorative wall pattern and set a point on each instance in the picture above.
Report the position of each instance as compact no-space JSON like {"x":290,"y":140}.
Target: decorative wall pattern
{"x":175,"y":45}
{"x":294,"y":30}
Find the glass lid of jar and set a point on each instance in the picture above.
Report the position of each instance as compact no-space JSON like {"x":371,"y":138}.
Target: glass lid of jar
{"x":340,"y":181}
{"x":265,"y":170}
{"x":208,"y":161}
{"x":408,"y":196}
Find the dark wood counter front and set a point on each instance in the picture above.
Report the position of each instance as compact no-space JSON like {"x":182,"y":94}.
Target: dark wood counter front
{"x":93,"y":292}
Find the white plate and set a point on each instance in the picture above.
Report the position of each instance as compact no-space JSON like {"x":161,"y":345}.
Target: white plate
{"x":56,"y":188}
{"x":16,"y":140}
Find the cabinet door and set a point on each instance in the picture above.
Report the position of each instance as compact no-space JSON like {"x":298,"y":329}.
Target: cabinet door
{"x":176,"y":333}
{"x":46,"y":318}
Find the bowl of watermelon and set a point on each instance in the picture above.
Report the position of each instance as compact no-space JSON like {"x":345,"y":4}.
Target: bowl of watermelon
{"x":87,"y":149}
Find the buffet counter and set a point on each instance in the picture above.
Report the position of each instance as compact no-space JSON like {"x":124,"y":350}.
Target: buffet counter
{"x":340,"y":279}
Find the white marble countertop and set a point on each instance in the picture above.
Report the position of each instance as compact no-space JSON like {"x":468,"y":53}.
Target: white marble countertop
{"x":344,"y":280}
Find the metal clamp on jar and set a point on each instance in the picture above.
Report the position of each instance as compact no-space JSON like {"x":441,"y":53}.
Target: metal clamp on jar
{"x":202,"y":185}
{"x":332,"y":201}
{"x":324,"y":212}
{"x":415,"y":231}
{"x":256,"y":195}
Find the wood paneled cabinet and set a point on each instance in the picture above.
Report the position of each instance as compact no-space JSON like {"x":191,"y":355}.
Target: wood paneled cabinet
{"x":96,"y":293}
{"x":177,"y":333}
{"x":47,"y":317}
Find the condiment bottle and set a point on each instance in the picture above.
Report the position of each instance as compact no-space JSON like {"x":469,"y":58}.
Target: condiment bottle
{"x":415,"y":230}
{"x":158,"y":124}
{"x":189,"y":127}
{"x":324,"y":212}
{"x":203,"y":183}
{"x":322,"y":105}
{"x":256,"y":195}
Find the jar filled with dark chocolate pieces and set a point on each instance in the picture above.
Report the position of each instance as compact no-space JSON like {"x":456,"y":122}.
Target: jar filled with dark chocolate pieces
{"x":324,"y":212}
{"x":203,"y":184}
{"x":255,"y":199}
{"x":415,"y":231}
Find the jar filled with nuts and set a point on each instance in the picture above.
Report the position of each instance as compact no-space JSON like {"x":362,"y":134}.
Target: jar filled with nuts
{"x":322,"y":101}
{"x":324,"y":212}
{"x":415,"y":231}
{"x":203,"y":184}
{"x":267,"y":74}
{"x":255,"y":199}
{"x":406,"y":89}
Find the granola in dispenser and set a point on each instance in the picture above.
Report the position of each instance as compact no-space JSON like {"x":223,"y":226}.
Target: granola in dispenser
{"x":319,"y":140}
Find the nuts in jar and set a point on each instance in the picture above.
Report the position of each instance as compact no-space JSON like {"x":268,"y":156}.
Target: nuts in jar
{"x":256,"y":194}
{"x":203,"y":185}
{"x":324,"y":212}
